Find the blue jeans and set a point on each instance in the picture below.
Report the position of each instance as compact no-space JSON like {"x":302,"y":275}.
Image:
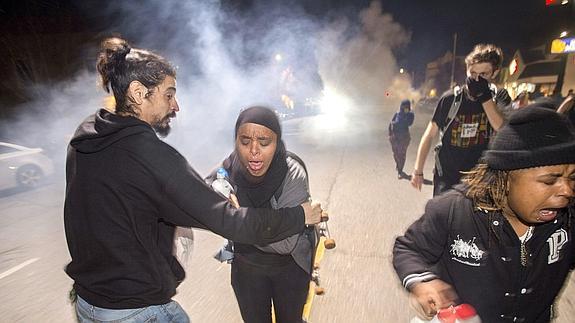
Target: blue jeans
{"x":170,"y":312}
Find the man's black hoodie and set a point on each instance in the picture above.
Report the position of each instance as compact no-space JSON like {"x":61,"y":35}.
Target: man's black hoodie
{"x":126,"y":189}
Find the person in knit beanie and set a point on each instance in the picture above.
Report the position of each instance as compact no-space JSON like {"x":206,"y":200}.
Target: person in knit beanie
{"x":502,"y":241}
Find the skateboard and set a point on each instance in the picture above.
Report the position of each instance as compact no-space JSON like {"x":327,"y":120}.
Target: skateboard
{"x":325,"y":242}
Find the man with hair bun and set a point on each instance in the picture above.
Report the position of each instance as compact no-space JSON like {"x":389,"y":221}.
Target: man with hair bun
{"x":465,"y":119}
{"x":126,"y":190}
{"x":502,"y":241}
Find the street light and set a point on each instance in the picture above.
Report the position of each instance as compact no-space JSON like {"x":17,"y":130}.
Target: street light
{"x":401,"y":71}
{"x":278,"y":57}
{"x":563,"y":34}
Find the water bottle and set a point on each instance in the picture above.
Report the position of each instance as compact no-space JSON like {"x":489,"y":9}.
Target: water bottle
{"x":221,"y":184}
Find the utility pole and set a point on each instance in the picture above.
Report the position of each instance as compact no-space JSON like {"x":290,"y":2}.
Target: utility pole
{"x":451,"y":85}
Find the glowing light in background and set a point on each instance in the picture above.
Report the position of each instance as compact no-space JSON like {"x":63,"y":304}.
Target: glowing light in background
{"x":513,"y":66}
{"x":335,"y":109}
{"x":287,"y":101}
{"x":278,"y":57}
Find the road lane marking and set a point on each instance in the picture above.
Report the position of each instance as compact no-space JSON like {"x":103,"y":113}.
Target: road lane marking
{"x":16,"y":268}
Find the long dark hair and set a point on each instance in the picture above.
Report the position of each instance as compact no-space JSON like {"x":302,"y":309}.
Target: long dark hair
{"x":119,"y":65}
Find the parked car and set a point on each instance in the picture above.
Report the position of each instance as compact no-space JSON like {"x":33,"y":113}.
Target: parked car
{"x":22,"y":166}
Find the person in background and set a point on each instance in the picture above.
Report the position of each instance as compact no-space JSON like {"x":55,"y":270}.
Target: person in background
{"x":264,"y":174}
{"x":126,"y":190}
{"x":502,"y":241}
{"x":464,"y":134}
{"x":399,"y":136}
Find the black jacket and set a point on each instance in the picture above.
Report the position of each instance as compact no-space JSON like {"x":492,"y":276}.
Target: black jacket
{"x":479,"y":254}
{"x":126,"y":189}
{"x":401,"y":122}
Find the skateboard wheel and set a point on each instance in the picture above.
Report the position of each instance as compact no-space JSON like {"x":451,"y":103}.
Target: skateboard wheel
{"x":329,"y":243}
{"x":319,"y":291}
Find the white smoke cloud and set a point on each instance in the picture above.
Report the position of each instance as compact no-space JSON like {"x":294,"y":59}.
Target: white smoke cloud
{"x":359,"y":60}
{"x":50,"y":121}
{"x":226,"y":62}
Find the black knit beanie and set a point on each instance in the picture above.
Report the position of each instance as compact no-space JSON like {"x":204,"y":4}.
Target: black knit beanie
{"x":260,"y":115}
{"x":534,"y":136}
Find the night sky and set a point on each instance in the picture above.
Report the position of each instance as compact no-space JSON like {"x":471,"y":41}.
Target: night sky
{"x":62,"y":37}
{"x":510,"y":24}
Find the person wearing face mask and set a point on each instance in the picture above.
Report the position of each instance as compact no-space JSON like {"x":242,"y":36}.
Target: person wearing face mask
{"x":465,"y":120}
{"x":502,"y":240}
{"x":265,"y":175}
{"x":399,"y":136}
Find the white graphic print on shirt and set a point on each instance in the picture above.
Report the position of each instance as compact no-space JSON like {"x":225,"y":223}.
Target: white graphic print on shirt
{"x":556,"y":242}
{"x":466,"y":252}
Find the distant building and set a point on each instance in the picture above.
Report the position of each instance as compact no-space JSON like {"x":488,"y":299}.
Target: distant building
{"x":438,"y":75}
{"x":537,"y":71}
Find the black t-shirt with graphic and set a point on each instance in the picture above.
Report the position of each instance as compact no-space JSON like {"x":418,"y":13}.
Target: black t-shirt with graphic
{"x":467,"y":136}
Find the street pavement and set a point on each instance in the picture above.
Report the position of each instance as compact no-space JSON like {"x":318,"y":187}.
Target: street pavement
{"x":351,"y":172}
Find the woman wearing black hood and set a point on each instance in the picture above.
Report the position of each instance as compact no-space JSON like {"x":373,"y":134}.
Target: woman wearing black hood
{"x":264,"y":174}
{"x":399,"y":136}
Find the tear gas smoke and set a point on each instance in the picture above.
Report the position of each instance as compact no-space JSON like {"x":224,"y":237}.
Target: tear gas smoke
{"x":230,"y":59}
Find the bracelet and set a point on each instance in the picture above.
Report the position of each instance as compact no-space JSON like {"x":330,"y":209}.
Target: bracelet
{"x":418,"y":174}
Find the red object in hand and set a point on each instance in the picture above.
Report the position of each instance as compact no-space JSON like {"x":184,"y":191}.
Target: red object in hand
{"x":459,"y":313}
{"x":465,"y":312}
{"x":447,"y":315}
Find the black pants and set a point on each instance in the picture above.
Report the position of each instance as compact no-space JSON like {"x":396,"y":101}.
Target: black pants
{"x":256,"y":286}
{"x":399,"y":144}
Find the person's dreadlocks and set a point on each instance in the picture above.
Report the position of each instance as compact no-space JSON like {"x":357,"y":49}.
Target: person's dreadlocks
{"x":487,"y":187}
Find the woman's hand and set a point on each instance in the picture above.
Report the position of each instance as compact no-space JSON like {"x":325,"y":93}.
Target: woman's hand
{"x":234,"y":200}
{"x":312,"y":212}
{"x":428,"y":298}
